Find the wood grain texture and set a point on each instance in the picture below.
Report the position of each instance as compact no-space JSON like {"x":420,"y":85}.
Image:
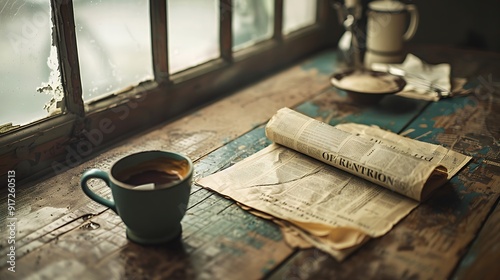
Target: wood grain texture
{"x":431,"y":241}
{"x":62,"y":233}
{"x":52,"y":211}
{"x":481,"y":261}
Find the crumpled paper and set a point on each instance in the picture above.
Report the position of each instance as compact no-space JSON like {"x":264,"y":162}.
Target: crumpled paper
{"x":338,"y":242}
{"x":422,"y":78}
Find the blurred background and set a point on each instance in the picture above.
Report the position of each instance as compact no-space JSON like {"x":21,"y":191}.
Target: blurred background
{"x":467,"y":24}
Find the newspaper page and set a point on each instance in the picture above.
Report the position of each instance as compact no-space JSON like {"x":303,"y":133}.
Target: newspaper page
{"x":453,"y":161}
{"x":381,"y":164}
{"x":298,"y":237}
{"x":317,"y":204}
{"x":318,"y":198}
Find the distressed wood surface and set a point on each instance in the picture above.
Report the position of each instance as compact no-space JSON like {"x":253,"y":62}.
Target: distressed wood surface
{"x":62,"y":233}
{"x":484,"y":253}
{"x":433,"y":241}
{"x":53,"y":213}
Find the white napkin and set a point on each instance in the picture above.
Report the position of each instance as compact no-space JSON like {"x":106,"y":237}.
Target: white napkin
{"x":419,"y":75}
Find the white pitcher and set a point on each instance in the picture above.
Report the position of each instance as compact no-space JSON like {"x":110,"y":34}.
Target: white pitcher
{"x":390,"y":24}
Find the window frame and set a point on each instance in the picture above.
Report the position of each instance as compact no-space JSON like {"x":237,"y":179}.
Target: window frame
{"x":54,"y":144}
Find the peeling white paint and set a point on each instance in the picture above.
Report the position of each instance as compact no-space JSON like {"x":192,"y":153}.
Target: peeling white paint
{"x":54,"y":85}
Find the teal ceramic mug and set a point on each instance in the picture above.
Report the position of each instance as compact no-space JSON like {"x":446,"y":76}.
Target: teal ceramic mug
{"x":150,"y":193}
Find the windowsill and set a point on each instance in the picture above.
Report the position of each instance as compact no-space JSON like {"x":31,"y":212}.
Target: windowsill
{"x":33,"y":150}
{"x":196,"y":133}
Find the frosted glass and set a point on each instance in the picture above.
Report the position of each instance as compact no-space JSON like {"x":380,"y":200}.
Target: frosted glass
{"x":29,"y":73}
{"x":193,"y":33}
{"x":252,"y":22}
{"x":298,"y":14}
{"x":114,"y":45}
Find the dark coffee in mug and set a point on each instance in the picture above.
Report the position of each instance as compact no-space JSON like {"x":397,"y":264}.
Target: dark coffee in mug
{"x":152,"y":177}
{"x":160,"y":171}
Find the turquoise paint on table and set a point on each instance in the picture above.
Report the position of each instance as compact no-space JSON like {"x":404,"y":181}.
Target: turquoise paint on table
{"x":425,"y":123}
{"x":458,"y":204}
{"x":326,"y":63}
{"x":256,"y":140}
{"x":392,"y":113}
{"x":425,"y":130}
{"x":312,"y":110}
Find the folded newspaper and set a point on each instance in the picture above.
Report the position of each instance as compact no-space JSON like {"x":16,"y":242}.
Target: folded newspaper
{"x":334,"y":188}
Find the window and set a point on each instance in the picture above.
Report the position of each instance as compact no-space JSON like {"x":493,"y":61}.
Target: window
{"x":298,"y":14}
{"x":81,"y":74}
{"x":193,"y":33}
{"x":29,"y":72}
{"x":114,"y":48}
{"x":252,"y":22}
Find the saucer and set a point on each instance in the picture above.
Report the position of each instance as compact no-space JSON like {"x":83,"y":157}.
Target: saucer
{"x":367,"y":86}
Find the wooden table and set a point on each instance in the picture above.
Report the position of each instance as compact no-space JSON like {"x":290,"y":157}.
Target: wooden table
{"x":455,"y":234}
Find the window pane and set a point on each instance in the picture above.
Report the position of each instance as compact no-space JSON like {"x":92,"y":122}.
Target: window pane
{"x":29,"y":73}
{"x":298,"y":14}
{"x":193,"y":32}
{"x":114,"y":45}
{"x":252,"y":22}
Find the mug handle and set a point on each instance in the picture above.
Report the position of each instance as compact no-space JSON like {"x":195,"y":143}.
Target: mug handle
{"x":97,"y":174}
{"x":412,"y":27}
